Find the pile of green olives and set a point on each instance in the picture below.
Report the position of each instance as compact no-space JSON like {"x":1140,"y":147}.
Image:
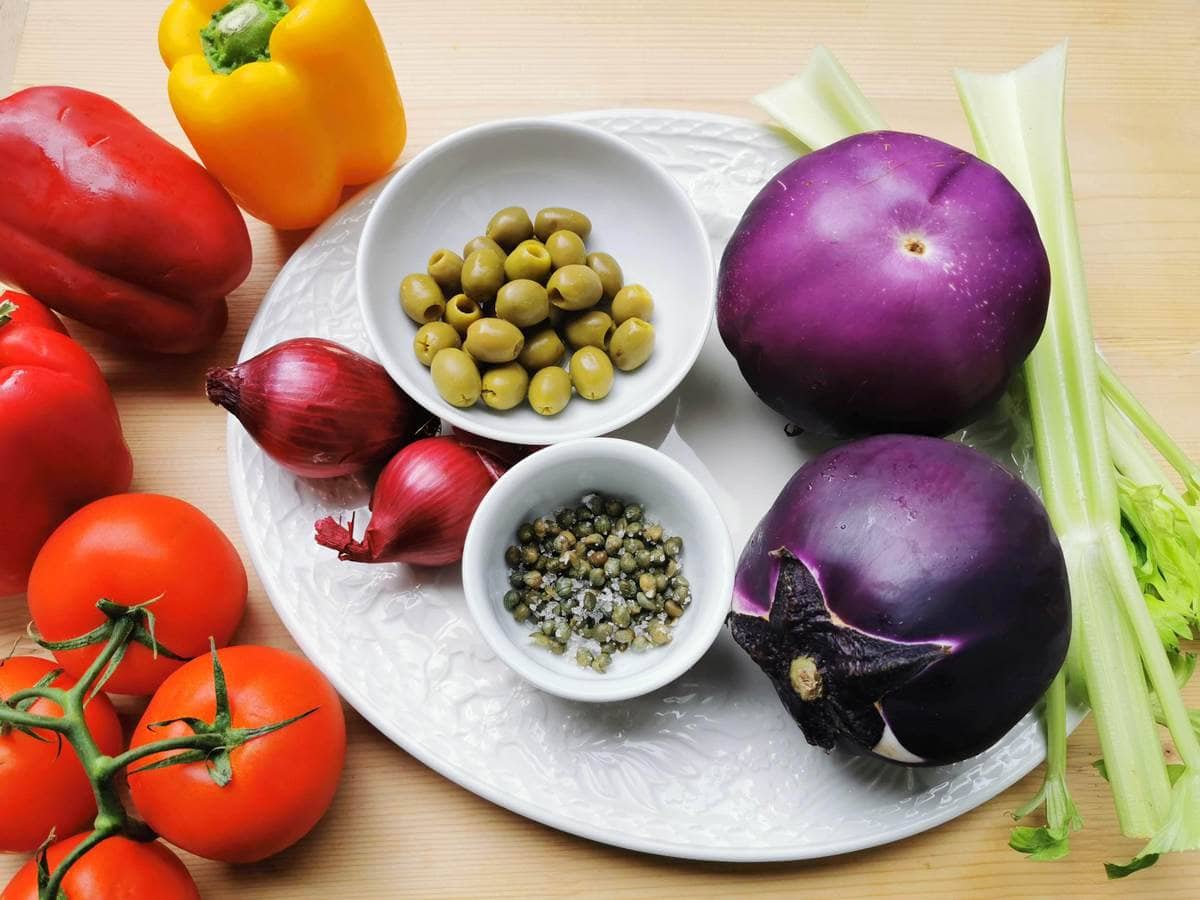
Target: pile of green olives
{"x":496,"y":322}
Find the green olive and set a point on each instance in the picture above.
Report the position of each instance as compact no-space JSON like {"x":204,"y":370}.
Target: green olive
{"x":456,"y":377}
{"x":445,"y":267}
{"x":542,"y":348}
{"x":631,"y":344}
{"x":550,"y":391}
{"x":590,"y":329}
{"x":609,"y":270}
{"x":566,"y":249}
{"x":530,"y":259}
{"x":574,"y":287}
{"x":592,"y":373}
{"x":461,"y":311}
{"x":482,"y":275}
{"x":632,"y":301}
{"x":523,"y":302}
{"x":432,"y":337}
{"x":559,"y":218}
{"x":421,"y":298}
{"x":494,"y":340}
{"x":483,"y":243}
{"x":505,"y":386}
{"x":509,"y":227}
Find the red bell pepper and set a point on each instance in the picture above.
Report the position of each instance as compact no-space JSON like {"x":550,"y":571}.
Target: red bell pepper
{"x":108,"y":223}
{"x":61,"y":445}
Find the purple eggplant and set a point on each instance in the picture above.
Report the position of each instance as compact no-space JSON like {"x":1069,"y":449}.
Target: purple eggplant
{"x":907,"y":597}
{"x":887,"y":283}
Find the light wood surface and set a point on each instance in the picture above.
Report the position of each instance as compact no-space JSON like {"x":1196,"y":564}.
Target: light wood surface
{"x":398,"y":829}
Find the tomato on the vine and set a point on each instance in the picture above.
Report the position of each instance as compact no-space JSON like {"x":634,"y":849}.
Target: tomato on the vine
{"x":115,"y":869}
{"x":42,"y":784}
{"x":282,"y":782}
{"x":130,"y":549}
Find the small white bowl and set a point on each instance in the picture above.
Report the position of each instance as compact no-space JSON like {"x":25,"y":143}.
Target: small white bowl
{"x":560,"y":476}
{"x":639,"y":214}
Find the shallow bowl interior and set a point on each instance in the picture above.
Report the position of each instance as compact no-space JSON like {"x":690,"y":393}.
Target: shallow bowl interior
{"x":560,"y":476}
{"x":639,"y":214}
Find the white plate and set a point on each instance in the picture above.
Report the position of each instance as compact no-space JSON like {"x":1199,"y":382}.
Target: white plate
{"x":709,"y":767}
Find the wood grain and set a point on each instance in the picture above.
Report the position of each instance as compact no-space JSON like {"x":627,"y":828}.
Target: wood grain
{"x":398,"y":829}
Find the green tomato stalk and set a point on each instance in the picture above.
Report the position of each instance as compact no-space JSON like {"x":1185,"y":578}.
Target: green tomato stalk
{"x":210,"y":742}
{"x":1131,"y":539}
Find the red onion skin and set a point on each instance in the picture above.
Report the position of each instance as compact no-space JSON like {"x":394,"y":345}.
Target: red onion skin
{"x":317,"y":408}
{"x":421,"y":507}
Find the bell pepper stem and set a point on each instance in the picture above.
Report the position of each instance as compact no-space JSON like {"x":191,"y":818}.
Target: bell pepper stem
{"x":240,"y":32}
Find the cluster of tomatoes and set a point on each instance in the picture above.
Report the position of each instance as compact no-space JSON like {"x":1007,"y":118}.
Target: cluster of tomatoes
{"x":129,"y":549}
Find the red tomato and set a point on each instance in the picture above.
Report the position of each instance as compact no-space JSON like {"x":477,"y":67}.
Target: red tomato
{"x":43,"y":786}
{"x":115,"y":869}
{"x":282,"y":782}
{"x":130,"y":548}
{"x":31,"y":312}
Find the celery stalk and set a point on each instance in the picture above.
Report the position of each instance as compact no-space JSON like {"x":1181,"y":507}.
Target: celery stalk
{"x":822,"y":104}
{"x":1017,"y":120}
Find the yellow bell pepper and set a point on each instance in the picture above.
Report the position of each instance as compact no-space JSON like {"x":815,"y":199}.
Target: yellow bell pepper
{"x":285,"y":101}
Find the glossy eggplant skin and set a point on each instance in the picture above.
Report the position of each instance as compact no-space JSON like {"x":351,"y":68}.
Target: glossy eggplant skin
{"x":887,"y":283}
{"x":913,"y":544}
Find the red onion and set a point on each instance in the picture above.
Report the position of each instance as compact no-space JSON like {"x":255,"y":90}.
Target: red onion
{"x":421,"y":506}
{"x":317,"y":408}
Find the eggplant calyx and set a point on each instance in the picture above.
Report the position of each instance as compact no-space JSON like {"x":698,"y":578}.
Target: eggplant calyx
{"x":829,"y":675}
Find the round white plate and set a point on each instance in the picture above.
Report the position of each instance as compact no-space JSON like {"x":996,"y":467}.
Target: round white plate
{"x":710,"y":767}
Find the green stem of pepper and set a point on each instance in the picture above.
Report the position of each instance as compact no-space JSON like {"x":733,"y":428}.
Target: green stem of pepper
{"x":240,"y":32}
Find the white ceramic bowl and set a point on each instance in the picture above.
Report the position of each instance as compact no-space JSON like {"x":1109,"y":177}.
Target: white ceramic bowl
{"x":559,"y":476}
{"x":639,"y":214}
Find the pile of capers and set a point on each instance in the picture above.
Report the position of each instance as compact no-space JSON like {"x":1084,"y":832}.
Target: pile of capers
{"x":519,"y":295}
{"x":598,"y":578}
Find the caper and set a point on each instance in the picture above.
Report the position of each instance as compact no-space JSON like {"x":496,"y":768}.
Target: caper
{"x":602,"y":662}
{"x":529,"y":555}
{"x":521,"y":613}
{"x":445,"y":267}
{"x":631,"y":344}
{"x":542,"y":348}
{"x":591,"y":373}
{"x":673,"y":546}
{"x":494,"y":340}
{"x":654,"y":532}
{"x":574,"y":288}
{"x":612,"y":568}
{"x":529,"y":260}
{"x":559,"y":218}
{"x":525,"y":533}
{"x":674,"y":610}
{"x":421,"y":298}
{"x":566,"y":249}
{"x":510,"y":226}
{"x":456,"y":377}
{"x":602,"y":525}
{"x":596,"y":578}
{"x":533,"y":579}
{"x":642,"y":556}
{"x":611,"y":276}
{"x":583,"y":657}
{"x":658,"y":633}
{"x":620,"y":614}
{"x":483,"y":243}
{"x":505,"y":386}
{"x":604,"y":631}
{"x":512,"y":555}
{"x":623,"y":636}
{"x":432,"y":337}
{"x":640,"y":643}
{"x":522,"y":302}
{"x":592,"y":328}
{"x":613,"y":508}
{"x":550,"y":391}
{"x":461,"y":311}
{"x":482,"y":275}
{"x":632,"y":301}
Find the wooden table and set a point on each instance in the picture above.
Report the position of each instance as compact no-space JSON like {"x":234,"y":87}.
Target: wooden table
{"x":397,"y":828}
